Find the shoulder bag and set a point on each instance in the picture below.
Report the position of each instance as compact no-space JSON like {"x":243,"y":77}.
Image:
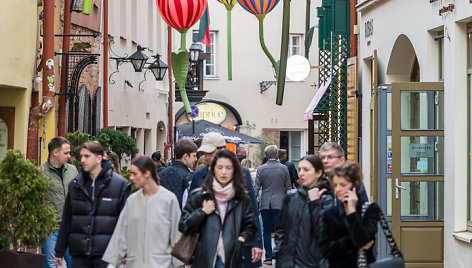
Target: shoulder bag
{"x":185,"y":247}
{"x":396,"y":261}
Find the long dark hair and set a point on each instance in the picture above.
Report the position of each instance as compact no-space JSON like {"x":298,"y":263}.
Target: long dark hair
{"x":144,"y":163}
{"x":239,"y":179}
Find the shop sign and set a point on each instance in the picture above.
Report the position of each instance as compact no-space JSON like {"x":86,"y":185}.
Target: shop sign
{"x":421,"y":150}
{"x":369,"y":28}
{"x":211,"y":112}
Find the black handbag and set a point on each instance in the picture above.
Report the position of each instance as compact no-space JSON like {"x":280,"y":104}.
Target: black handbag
{"x":396,"y":261}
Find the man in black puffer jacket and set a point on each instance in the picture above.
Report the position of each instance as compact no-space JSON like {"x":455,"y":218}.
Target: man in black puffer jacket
{"x":91,"y":210}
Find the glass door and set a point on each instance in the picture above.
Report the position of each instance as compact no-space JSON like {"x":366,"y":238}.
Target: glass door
{"x":417,"y":181}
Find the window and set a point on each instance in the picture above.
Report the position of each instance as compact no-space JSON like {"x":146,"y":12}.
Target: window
{"x":209,"y":66}
{"x":294,"y":45}
{"x":295,"y":149}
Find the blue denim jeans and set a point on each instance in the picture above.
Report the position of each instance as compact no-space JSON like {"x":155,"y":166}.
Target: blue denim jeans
{"x":269,"y":220}
{"x":219,"y":263}
{"x":48,"y":250}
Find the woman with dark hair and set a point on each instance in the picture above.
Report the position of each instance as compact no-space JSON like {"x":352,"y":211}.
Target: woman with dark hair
{"x":115,"y":161}
{"x":147,"y":229}
{"x":344,"y":231}
{"x":221,"y":211}
{"x":297,"y":230}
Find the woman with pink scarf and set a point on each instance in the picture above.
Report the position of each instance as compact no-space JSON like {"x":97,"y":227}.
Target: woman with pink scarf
{"x":222,"y":213}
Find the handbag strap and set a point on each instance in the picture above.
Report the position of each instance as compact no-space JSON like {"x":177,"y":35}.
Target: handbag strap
{"x":362,"y":260}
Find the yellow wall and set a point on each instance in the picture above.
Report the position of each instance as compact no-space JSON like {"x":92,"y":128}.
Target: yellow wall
{"x":18,"y":28}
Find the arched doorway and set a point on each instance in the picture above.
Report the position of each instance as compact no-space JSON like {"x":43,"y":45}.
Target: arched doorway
{"x":403,"y":65}
{"x":161,"y":136}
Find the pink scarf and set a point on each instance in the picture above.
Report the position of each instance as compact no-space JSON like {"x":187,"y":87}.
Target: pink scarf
{"x":222,"y":196}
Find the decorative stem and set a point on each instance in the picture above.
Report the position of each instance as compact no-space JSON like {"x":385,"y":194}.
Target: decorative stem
{"x":183,"y":41}
{"x":182,"y":89}
{"x":230,"y":56}
{"x":283,"y":53}
{"x":266,"y":51}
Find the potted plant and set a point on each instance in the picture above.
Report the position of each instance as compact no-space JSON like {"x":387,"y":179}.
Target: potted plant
{"x":25,"y":217}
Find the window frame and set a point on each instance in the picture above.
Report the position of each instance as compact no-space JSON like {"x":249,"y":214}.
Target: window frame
{"x":290,"y":44}
{"x":469,"y":133}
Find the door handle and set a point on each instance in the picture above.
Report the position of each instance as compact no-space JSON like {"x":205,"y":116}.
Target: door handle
{"x":398,"y":186}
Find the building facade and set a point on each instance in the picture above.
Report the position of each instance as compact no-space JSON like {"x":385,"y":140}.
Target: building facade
{"x":136,"y":105}
{"x":246,"y":106}
{"x":414,"y":68}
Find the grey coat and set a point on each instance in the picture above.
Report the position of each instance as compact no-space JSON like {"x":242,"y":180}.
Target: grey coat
{"x":274,"y":179}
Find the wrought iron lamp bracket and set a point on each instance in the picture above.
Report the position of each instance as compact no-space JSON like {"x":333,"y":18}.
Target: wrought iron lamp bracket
{"x":264,"y":85}
{"x":144,"y":80}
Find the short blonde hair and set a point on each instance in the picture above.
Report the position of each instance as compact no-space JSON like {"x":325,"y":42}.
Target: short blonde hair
{"x":246,"y":163}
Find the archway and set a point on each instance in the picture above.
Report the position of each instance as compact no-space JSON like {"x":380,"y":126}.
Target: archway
{"x":403,"y":65}
{"x":160,"y":136}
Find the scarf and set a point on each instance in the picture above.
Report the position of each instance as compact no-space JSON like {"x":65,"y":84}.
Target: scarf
{"x":222,"y":196}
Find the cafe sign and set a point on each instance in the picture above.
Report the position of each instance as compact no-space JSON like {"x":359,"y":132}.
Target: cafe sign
{"x":210,"y":112}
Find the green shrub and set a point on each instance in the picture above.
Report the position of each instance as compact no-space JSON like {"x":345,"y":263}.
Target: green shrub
{"x":24,"y":214}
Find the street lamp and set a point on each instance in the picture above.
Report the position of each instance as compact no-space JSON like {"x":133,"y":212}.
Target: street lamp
{"x":158,"y":68}
{"x":138,"y":59}
{"x":195,"y":50}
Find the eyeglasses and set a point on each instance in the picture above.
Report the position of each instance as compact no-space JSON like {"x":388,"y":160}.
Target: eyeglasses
{"x":329,"y":157}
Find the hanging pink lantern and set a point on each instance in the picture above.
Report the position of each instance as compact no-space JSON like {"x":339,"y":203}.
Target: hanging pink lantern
{"x":181,"y":14}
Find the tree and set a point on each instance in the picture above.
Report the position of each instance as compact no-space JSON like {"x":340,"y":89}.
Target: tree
{"x":120,"y":143}
{"x":78,"y":138}
{"x":24,"y":214}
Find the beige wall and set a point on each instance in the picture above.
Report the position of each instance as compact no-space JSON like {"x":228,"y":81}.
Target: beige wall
{"x":17,"y":57}
{"x":426,"y":26}
{"x":132,"y":23}
{"x":250,"y":65}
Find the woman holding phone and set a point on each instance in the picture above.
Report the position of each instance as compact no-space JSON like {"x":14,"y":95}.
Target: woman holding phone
{"x":343,"y":229}
{"x":222,"y":212}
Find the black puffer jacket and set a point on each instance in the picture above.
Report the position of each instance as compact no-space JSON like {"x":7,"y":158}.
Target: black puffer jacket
{"x":91,"y":212}
{"x":298,"y":227}
{"x":238,"y":212}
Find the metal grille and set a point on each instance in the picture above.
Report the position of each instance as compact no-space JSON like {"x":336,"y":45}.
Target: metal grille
{"x":333,"y":105}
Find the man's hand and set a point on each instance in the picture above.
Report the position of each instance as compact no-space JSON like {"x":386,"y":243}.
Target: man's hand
{"x":58,"y":261}
{"x":256,"y":254}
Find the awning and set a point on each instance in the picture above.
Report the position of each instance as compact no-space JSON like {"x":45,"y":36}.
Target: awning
{"x":308,"y":115}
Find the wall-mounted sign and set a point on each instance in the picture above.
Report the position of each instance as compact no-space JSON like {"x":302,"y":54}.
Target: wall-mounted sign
{"x":421,"y":150}
{"x":298,"y":68}
{"x":445,"y":9}
{"x":211,"y":112}
{"x":369,"y":27}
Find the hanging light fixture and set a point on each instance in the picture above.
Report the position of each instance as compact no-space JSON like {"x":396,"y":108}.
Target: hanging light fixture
{"x":158,"y":68}
{"x":138,"y":59}
{"x":76,"y":6}
{"x":195,"y":50}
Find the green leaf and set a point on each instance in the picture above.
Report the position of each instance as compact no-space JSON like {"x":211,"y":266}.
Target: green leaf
{"x":180,"y":64}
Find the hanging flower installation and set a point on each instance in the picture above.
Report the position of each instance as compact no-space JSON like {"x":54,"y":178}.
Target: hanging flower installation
{"x":260,"y":8}
{"x":181,"y":15}
{"x":229,"y":4}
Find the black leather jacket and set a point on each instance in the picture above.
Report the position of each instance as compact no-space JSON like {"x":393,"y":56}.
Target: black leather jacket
{"x":239,"y":221}
{"x":297,"y":232}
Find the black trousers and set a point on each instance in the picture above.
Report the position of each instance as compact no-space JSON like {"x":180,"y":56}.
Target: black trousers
{"x":86,"y":262}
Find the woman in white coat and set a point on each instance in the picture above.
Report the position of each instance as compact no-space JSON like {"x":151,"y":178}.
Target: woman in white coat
{"x":147,"y":228}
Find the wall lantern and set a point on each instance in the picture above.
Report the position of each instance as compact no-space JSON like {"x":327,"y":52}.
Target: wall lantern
{"x":195,"y":50}
{"x":158,"y":68}
{"x":138,"y":59}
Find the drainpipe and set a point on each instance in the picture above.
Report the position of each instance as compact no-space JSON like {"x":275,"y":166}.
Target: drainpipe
{"x":65,"y":49}
{"x":105,"y":63}
{"x":48,"y":58}
{"x":170,"y":111}
{"x":353,"y":42}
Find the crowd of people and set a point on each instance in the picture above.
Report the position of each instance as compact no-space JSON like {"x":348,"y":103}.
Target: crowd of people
{"x":313,"y":216}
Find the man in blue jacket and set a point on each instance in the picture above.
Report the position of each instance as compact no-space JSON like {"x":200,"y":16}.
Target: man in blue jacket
{"x":213,"y":142}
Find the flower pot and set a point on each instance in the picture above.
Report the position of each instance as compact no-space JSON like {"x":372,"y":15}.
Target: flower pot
{"x":16,"y":259}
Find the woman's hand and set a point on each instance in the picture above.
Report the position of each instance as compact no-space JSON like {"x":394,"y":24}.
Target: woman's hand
{"x":350,"y":201}
{"x":208,"y":206}
{"x":368,"y":245}
{"x":315,"y":193}
{"x":242,"y":239}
